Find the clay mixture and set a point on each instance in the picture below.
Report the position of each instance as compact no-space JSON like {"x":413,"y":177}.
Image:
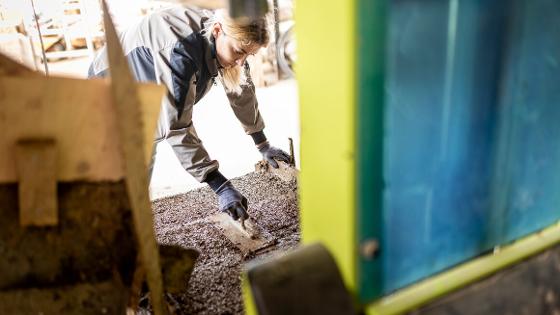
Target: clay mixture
{"x":215,"y":285}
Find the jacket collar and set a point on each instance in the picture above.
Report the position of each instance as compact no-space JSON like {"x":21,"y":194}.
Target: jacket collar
{"x":210,"y":56}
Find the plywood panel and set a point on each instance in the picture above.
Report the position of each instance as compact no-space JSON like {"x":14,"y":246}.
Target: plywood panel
{"x":79,"y":115}
{"x":36,"y":167}
{"x":125,"y":95}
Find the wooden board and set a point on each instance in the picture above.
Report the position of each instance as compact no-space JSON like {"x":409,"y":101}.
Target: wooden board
{"x":126,"y":98}
{"x":79,"y":115}
{"x":249,"y":240}
{"x":36,"y":168}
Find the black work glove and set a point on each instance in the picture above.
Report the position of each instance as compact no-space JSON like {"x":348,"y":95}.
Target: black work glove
{"x":271,"y":154}
{"x":232,"y":202}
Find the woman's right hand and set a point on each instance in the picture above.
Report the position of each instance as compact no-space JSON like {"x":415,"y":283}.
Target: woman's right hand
{"x":232,"y":202}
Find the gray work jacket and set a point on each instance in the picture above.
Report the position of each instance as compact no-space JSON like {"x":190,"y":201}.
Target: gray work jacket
{"x":168,"y":47}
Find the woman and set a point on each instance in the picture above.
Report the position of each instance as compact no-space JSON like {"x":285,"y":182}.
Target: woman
{"x":186,"y":50}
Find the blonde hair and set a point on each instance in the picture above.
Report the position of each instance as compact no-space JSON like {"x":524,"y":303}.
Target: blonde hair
{"x":254,"y":32}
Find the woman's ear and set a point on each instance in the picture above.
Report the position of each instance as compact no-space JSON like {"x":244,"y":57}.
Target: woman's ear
{"x":216,"y":30}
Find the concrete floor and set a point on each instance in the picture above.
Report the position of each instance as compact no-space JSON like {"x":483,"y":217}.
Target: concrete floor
{"x":228,"y":144}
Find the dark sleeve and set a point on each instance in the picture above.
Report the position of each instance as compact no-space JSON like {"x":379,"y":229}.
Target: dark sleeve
{"x":258,"y":137}
{"x":215,"y":179}
{"x":182,"y":68}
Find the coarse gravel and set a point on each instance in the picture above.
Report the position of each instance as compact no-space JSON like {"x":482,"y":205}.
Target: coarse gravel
{"x":215,"y":285}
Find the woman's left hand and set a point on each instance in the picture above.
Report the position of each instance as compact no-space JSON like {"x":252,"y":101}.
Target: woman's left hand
{"x":271,"y":154}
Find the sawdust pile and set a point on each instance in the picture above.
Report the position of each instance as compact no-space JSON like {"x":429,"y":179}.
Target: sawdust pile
{"x":182,"y":220}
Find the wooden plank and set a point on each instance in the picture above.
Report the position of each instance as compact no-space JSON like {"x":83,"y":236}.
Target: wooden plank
{"x":129,"y":116}
{"x":249,"y":240}
{"x":36,"y":167}
{"x":79,"y":116}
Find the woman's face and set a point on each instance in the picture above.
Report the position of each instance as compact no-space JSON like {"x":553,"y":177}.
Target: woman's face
{"x":229,"y":51}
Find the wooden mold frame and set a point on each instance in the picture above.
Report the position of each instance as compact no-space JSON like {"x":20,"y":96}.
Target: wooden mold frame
{"x":60,"y":129}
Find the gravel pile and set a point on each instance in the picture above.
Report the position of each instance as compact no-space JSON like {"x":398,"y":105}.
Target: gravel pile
{"x":182,"y":220}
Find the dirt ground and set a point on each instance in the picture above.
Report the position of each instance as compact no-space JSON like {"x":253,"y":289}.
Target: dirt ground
{"x":183,"y":220}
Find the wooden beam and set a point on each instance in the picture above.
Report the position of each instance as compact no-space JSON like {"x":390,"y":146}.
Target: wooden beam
{"x":129,"y":117}
{"x":36,"y":167}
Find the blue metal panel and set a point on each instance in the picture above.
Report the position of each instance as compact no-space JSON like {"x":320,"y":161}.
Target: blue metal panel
{"x":472,"y":110}
{"x":527,"y":179}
